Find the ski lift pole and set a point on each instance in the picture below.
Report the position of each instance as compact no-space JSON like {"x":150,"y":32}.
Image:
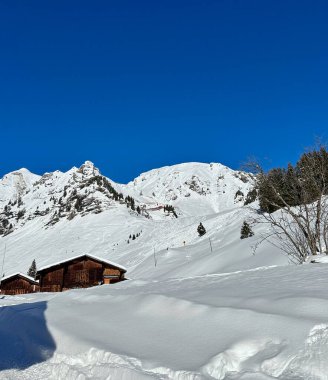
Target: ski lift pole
{"x":155,"y":257}
{"x":210,"y":244}
{"x":3,"y":263}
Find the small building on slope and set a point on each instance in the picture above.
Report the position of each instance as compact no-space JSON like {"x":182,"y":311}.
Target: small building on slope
{"x":18,"y":283}
{"x":81,"y":271}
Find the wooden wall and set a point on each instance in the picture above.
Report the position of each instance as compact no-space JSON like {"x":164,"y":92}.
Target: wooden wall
{"x":79,"y":273}
{"x":52,"y":280}
{"x":18,"y":285}
{"x":83,"y":274}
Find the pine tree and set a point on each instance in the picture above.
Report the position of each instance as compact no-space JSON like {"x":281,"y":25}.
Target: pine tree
{"x":32,"y":271}
{"x":201,"y":230}
{"x":251,"y":197}
{"x":246,"y":231}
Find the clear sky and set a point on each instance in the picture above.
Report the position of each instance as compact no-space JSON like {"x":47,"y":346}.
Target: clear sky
{"x":135,"y":85}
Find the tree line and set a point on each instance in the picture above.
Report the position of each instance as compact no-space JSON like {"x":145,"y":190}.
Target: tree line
{"x":293,"y":201}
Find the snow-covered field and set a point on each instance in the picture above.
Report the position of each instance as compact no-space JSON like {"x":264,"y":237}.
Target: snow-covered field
{"x":258,"y":324}
{"x":195,"y":307}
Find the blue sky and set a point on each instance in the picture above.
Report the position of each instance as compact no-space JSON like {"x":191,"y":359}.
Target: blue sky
{"x":134,"y":85}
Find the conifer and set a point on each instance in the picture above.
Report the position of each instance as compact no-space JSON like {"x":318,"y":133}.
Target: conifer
{"x":201,"y":230}
{"x":32,"y":271}
{"x":246,"y":231}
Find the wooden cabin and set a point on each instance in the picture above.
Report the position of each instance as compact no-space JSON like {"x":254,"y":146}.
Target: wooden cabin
{"x":18,"y":283}
{"x":81,"y":271}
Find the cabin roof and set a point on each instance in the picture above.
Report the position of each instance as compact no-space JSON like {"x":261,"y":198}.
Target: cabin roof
{"x":25,"y":276}
{"x":80,"y":256}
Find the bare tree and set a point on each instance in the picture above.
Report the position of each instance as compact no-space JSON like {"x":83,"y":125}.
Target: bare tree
{"x":294,"y":205}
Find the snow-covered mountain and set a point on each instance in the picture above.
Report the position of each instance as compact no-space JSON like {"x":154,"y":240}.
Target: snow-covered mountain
{"x":193,"y":188}
{"x":55,"y":196}
{"x":57,"y":215}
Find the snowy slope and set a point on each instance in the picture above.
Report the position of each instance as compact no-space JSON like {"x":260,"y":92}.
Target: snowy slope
{"x":179,"y":251}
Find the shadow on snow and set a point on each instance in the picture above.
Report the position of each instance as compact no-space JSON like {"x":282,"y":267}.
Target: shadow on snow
{"x":24,"y":336}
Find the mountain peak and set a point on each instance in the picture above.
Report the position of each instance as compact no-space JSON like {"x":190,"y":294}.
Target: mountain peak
{"x":89,"y":163}
{"x":88,"y":168}
{"x":20,"y":177}
{"x":21,"y":171}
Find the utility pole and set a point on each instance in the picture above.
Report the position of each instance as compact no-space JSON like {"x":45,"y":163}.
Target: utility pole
{"x":210,"y":244}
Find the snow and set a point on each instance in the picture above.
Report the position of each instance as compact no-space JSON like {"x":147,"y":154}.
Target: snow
{"x":86,"y":255}
{"x":262,"y":323}
{"x":13,"y":184}
{"x":317,"y":259}
{"x":105,"y":235}
{"x":193,"y":188}
{"x":194,"y":308}
{"x":19,"y":274}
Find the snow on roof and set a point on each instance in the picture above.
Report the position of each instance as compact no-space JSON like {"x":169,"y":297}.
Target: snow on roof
{"x":78,"y":256}
{"x":21,"y":275}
